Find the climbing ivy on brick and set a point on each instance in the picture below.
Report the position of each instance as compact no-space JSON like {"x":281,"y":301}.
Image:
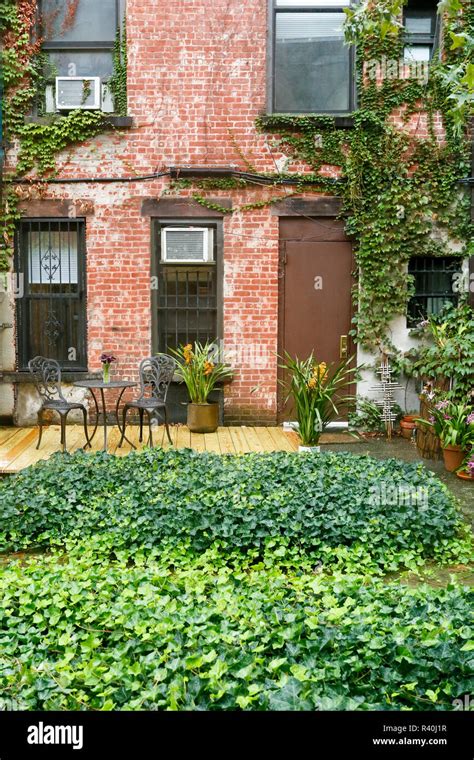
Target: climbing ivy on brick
{"x":23,"y":65}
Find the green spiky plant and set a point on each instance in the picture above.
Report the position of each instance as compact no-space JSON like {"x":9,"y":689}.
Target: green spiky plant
{"x":316,"y":389}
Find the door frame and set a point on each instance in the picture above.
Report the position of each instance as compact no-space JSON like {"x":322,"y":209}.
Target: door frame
{"x":282,"y":259}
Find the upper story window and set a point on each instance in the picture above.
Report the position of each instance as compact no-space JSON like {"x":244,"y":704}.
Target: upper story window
{"x":420,"y":22}
{"x":312,"y":66}
{"x":79,"y":38}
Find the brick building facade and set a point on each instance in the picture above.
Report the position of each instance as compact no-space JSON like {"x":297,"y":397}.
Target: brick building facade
{"x":199,"y":74}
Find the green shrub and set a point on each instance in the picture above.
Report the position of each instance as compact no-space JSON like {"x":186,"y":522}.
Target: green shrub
{"x":158,"y":497}
{"x":175,"y":633}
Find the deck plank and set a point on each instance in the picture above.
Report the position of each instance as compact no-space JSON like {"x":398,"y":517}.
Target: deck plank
{"x":6,"y":434}
{"x":197,"y":442}
{"x":18,"y":445}
{"x":265,"y":439}
{"x":240,"y":442}
{"x":280,"y":439}
{"x":183,"y":437}
{"x":212,"y":442}
{"x":31,"y":455}
{"x":225,"y":441}
{"x":253,"y":439}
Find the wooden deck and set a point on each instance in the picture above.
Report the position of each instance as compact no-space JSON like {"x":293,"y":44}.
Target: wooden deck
{"x":18,"y":445}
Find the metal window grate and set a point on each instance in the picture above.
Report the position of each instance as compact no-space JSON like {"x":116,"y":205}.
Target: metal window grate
{"x":187,"y":305}
{"x":50,"y":258}
{"x":433,"y":280}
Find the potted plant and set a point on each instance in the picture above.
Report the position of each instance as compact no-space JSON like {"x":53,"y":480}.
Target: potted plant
{"x":408,"y":424}
{"x":453,"y":423}
{"x":315,"y":387}
{"x":443,"y":360}
{"x":466,"y":472}
{"x":199,"y":368}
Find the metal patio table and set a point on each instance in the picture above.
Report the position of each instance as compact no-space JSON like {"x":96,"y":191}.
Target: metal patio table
{"x":99,"y":385}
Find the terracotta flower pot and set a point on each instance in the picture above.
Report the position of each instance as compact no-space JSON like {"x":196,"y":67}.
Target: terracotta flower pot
{"x":453,"y":457}
{"x":464,"y":475}
{"x":407,"y":427}
{"x":203,"y":418}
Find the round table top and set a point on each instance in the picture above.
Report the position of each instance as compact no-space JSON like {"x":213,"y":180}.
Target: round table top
{"x":100,"y":384}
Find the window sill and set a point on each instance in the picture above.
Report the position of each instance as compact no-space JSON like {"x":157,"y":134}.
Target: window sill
{"x":67,"y":376}
{"x":340,"y":122}
{"x":227,"y":381}
{"x":117,"y":122}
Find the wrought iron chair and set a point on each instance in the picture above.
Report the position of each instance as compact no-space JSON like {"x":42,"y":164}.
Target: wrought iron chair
{"x":47,"y":377}
{"x":156,"y":374}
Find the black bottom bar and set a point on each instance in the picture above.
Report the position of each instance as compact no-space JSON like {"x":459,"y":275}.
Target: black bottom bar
{"x":314,"y":735}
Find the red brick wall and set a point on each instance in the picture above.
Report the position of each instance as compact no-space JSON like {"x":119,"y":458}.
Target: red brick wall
{"x":196,"y":83}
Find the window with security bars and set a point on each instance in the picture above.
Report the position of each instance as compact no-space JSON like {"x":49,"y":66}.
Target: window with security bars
{"x":433,"y":280}
{"x":187,"y":299}
{"x":50,"y":257}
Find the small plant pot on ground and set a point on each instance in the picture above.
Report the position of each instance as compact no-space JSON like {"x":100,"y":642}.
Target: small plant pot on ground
{"x":203,"y":418}
{"x":309,"y":449}
{"x":453,"y":457}
{"x":407,"y":427}
{"x":465,"y":475}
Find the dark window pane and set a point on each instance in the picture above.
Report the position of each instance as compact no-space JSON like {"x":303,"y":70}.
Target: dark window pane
{"x":90,"y":20}
{"x":312,"y":63}
{"x":75,"y":63}
{"x":419,"y":23}
{"x":187,"y":305}
{"x":433,"y":280}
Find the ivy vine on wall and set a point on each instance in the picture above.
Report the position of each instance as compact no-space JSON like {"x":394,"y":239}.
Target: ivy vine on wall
{"x":39,"y":143}
{"x":399,"y":188}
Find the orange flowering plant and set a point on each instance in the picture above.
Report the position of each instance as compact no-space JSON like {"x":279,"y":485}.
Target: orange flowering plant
{"x":199,"y":367}
{"x":316,"y":388}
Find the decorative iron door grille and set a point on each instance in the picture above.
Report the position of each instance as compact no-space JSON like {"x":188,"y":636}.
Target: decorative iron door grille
{"x":50,"y":257}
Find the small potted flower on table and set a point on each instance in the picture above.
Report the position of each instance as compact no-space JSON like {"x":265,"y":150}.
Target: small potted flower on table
{"x":107,"y":360}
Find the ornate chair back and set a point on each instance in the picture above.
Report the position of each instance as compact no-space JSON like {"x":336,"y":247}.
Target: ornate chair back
{"x":156,"y":374}
{"x":47,"y":378}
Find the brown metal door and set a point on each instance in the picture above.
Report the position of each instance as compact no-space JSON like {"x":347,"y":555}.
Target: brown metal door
{"x":315,"y":307}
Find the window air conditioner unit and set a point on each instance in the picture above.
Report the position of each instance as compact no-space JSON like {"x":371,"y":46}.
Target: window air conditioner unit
{"x":187,"y":245}
{"x":78,"y":92}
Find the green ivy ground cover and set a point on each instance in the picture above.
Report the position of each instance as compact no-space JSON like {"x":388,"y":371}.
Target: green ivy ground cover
{"x":215,"y":633}
{"x":387,"y":513}
{"x":177,"y":580}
